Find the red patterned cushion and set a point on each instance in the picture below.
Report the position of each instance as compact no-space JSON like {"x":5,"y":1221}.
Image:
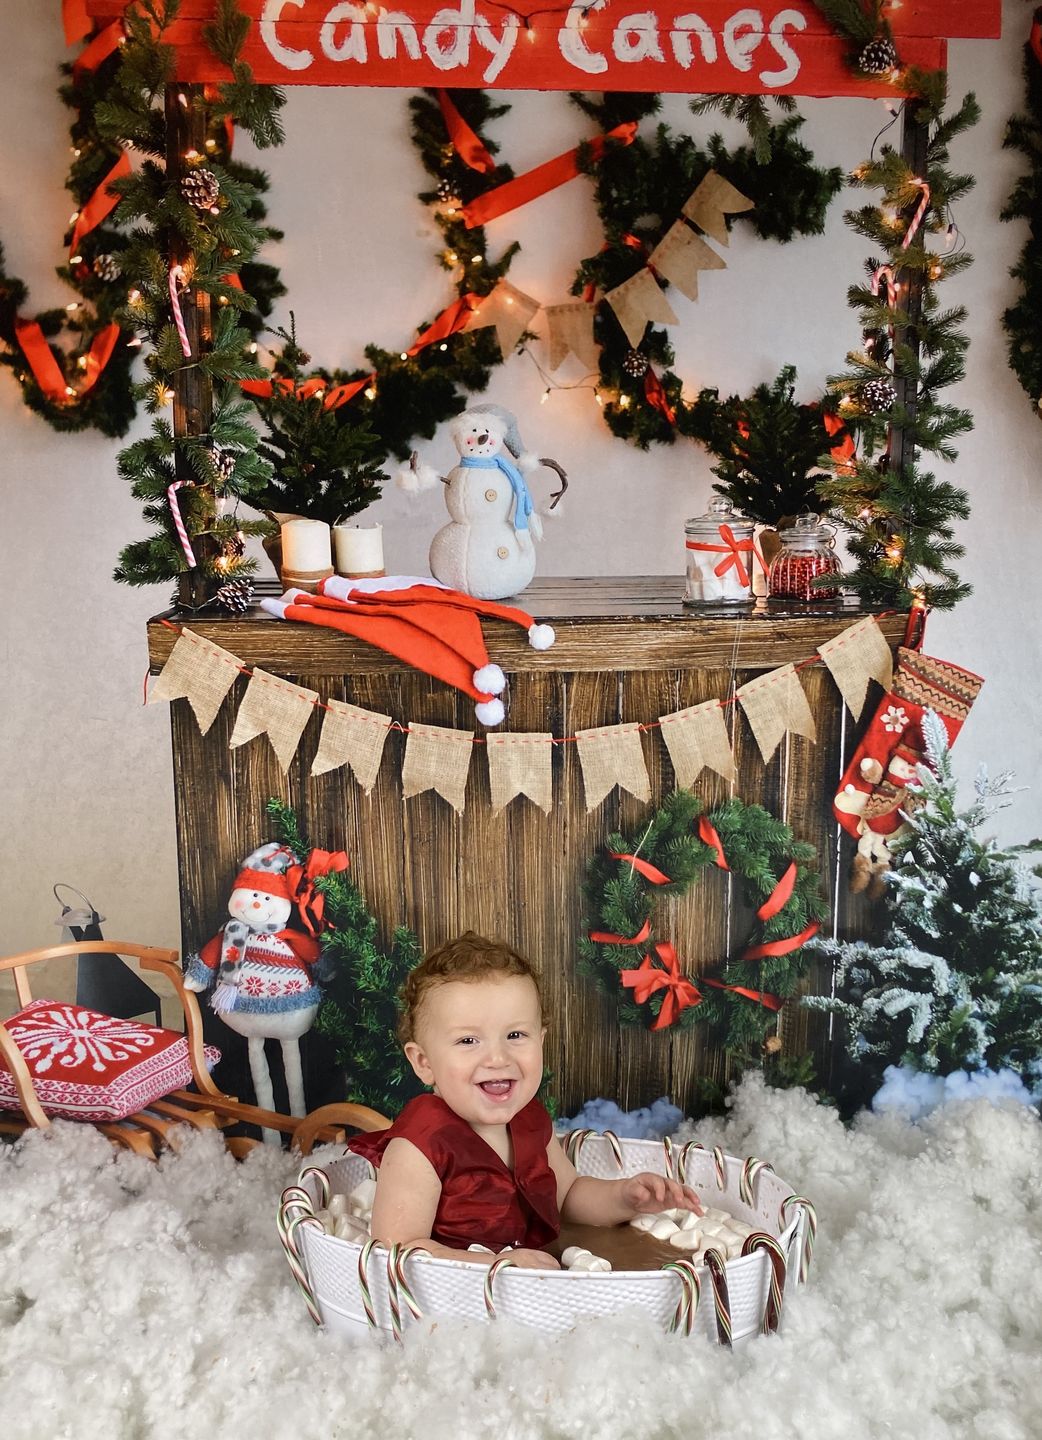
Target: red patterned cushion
{"x":89,"y":1066}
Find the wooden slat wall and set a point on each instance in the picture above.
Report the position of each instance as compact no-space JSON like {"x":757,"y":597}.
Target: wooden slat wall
{"x":520,"y":873}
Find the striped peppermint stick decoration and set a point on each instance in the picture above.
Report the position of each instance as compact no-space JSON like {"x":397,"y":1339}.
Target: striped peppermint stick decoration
{"x":690,"y":1295}
{"x":751,"y":1168}
{"x":179,"y":524}
{"x":173,"y":279}
{"x":363,"y":1283}
{"x":717,"y":1267}
{"x":917,"y":218}
{"x":501,"y":1262}
{"x":760,"y":1240}
{"x":810,"y":1230}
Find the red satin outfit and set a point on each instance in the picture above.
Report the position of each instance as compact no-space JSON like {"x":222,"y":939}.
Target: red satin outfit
{"x":482,"y":1201}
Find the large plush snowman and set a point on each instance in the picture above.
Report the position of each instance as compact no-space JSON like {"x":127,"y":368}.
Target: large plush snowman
{"x":488,"y":548}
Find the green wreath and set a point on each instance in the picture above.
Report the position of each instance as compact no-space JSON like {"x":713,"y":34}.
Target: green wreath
{"x":624,"y":952}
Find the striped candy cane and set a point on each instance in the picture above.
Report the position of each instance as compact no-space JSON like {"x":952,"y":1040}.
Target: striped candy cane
{"x":720,"y":1166}
{"x":686,"y":1151}
{"x":363,"y":1283}
{"x":501,"y":1262}
{"x":917,"y":218}
{"x":321,"y":1178}
{"x":287,"y":1223}
{"x":615,"y":1145}
{"x":810,"y":1229}
{"x":760,"y":1240}
{"x":179,"y":524}
{"x":751,"y":1168}
{"x":176,"y":276}
{"x":398,"y":1287}
{"x":690,"y":1295}
{"x":717,"y":1267}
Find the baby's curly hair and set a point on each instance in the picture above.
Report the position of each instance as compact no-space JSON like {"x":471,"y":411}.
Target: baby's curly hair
{"x":469,"y":957}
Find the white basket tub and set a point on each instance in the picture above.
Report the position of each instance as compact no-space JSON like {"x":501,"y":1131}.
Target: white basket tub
{"x":352,"y":1288}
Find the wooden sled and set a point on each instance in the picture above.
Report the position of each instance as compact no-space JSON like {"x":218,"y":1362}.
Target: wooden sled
{"x":157,"y":1126}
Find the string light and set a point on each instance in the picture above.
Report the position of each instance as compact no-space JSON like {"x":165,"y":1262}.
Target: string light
{"x":451,"y":257}
{"x":182,"y":100}
{"x":443,"y":346}
{"x":476,"y":259}
{"x":404,"y":355}
{"x":624,"y":402}
{"x":545,"y":396}
{"x":192,"y":156}
{"x":72,"y":307}
{"x":253,"y":348}
{"x":211,"y":145}
{"x":75,"y":259}
{"x":370,"y":392}
{"x":69,"y":390}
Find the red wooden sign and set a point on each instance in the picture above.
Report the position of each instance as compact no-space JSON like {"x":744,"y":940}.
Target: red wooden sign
{"x":722,"y":47}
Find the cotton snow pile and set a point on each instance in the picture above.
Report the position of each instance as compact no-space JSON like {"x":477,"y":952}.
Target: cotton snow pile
{"x":154,"y":1301}
{"x":650,"y":1122}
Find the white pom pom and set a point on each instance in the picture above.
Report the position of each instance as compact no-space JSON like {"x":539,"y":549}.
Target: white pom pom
{"x":527,"y":462}
{"x":490,"y":712}
{"x":416,"y":476}
{"x":491,"y":679}
{"x":541,"y":637}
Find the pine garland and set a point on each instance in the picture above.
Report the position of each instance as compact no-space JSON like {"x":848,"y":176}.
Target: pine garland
{"x":619,"y":900}
{"x":956,"y":981}
{"x":1020,"y":320}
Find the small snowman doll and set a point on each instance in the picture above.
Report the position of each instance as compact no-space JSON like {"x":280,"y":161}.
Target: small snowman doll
{"x":487,"y":549}
{"x":263,"y":970}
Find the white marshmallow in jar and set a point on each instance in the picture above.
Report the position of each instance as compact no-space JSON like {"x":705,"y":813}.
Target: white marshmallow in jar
{"x":720,"y":556}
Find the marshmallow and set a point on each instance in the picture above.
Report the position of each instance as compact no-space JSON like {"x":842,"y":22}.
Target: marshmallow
{"x":686,"y":1240}
{"x":576,"y":1258}
{"x":662,"y":1228}
{"x":689,"y":1220}
{"x":643,"y":1222}
{"x":337,"y":1206}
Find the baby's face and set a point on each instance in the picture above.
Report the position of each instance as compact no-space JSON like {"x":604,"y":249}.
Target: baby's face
{"x":480,"y":1044}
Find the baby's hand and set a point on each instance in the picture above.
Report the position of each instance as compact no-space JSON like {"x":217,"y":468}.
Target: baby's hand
{"x":645,"y":1194}
{"x":532,"y":1259}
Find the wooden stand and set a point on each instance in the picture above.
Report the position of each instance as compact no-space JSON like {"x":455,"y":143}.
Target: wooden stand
{"x":626,"y":651}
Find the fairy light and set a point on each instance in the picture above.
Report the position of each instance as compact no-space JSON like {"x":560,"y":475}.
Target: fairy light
{"x":253,"y":348}
{"x":451,"y":257}
{"x":134,"y":343}
{"x":72,"y":307}
{"x":865,"y":513}
{"x":222,"y":299}
{"x":134,"y":297}
{"x":75,"y":259}
{"x":211,"y":145}
{"x":404,"y":355}
{"x":182,"y":100}
{"x":370,"y":392}
{"x":82,"y":362}
{"x":624,"y":402}
{"x":192,"y":156}
{"x":69,"y":391}
{"x":74,"y":217}
{"x":76,"y":152}
{"x":545,"y":396}
{"x":894,"y":552}
{"x":476,"y":259}
{"x":443,"y":346}
{"x":599,"y":398}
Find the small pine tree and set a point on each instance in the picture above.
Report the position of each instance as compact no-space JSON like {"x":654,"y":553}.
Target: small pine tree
{"x":956,"y":983}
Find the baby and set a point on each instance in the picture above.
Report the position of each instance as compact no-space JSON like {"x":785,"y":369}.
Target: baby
{"x":477,"y":1162}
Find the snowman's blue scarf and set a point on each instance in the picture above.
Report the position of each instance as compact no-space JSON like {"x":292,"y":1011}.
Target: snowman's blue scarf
{"x":523,"y":506}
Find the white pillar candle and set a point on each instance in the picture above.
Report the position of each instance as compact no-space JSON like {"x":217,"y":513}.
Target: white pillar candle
{"x":359,"y":549}
{"x":305,"y":546}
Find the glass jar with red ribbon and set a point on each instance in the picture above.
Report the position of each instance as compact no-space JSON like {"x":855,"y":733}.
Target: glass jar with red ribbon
{"x":720,"y":557}
{"x":806,"y":553}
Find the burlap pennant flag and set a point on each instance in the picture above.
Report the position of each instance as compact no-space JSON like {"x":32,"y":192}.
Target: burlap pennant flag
{"x":775,"y":705}
{"x":437,"y":758}
{"x":570,"y":331}
{"x":679,"y":256}
{"x":855,"y":656}
{"x":201,"y":673}
{"x":277,"y":708}
{"x":638,"y":300}
{"x":519,"y":764}
{"x":510,"y":310}
{"x":714,"y":198}
{"x":697,"y":738}
{"x":354,"y":737}
{"x":612,"y":755}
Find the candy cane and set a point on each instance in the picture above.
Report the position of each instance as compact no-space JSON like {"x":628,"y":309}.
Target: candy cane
{"x":287,"y":1228}
{"x":179,"y":524}
{"x":363,"y":1283}
{"x":178,"y":274}
{"x":716,"y":1265}
{"x":720,"y":1166}
{"x":690,"y":1295}
{"x":760,"y":1240}
{"x":501,"y":1262}
{"x":810,"y":1229}
{"x":398,"y":1287}
{"x":615,"y":1145}
{"x":321,"y":1177}
{"x":685,"y":1156}
{"x":751,"y":1168}
{"x":917,"y":218}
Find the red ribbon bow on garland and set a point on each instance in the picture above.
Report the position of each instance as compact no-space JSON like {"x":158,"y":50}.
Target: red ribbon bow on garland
{"x":308,"y":899}
{"x":648,"y":978}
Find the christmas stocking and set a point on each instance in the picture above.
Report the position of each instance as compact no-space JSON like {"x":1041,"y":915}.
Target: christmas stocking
{"x":879,"y":782}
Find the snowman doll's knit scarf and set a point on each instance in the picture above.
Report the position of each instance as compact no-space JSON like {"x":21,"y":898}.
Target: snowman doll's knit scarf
{"x":523,"y":506}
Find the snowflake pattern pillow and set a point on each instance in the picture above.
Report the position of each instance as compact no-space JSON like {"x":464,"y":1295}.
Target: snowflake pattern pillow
{"x":88,"y":1066}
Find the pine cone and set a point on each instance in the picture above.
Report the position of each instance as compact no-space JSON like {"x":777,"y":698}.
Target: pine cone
{"x":635,"y":364}
{"x":878,"y":56}
{"x":876,"y":396}
{"x":236,"y":596}
{"x":107,"y":267}
{"x":201,"y":188}
{"x":223,"y":462}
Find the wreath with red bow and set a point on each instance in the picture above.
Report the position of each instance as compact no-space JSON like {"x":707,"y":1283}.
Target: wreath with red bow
{"x":624,"y":951}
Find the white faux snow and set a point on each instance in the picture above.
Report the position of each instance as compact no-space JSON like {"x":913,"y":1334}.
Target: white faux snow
{"x":913,"y":1093}
{"x":650,"y":1122}
{"x":153,"y":1301}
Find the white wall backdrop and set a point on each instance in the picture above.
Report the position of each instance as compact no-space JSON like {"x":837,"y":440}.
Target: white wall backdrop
{"x":85,"y":770}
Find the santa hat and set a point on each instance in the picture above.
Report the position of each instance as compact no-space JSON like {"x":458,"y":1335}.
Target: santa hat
{"x":420,"y":621}
{"x":264,"y":870}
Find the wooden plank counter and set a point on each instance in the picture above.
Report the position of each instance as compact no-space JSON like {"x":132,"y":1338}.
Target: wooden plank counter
{"x":626,"y":650}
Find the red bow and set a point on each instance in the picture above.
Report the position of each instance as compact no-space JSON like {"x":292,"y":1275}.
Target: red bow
{"x":308,"y":899}
{"x":648,"y":978}
{"x":732,"y":551}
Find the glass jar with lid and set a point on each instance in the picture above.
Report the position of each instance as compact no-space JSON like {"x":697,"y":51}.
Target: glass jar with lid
{"x":806,"y":553}
{"x":719,"y":558}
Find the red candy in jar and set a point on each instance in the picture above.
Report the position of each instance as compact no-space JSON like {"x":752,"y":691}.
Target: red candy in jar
{"x":806,"y":552}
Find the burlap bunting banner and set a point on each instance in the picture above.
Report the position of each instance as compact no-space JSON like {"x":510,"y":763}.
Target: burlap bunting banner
{"x":775,"y":706}
{"x":510,"y":310}
{"x":570,"y":331}
{"x":714,"y":198}
{"x":855,"y":656}
{"x":201,"y":673}
{"x":612,"y":755}
{"x":437,"y":758}
{"x":352,"y":737}
{"x":277,"y":708}
{"x":679,"y":256}
{"x":519,"y":764}
{"x":697,"y":738}
{"x":638,"y":300}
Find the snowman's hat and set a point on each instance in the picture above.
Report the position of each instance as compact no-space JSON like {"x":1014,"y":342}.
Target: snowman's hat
{"x":264,"y":870}
{"x":419,"y":621}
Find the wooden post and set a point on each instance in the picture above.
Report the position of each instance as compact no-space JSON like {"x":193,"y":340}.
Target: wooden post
{"x":914,"y":137}
{"x":193,"y":392}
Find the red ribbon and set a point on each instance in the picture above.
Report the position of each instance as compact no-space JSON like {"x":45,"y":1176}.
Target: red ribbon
{"x":46,"y":370}
{"x":100,"y":48}
{"x":100,"y":204}
{"x":99,"y":355}
{"x":648,"y":978}
{"x":656,"y":396}
{"x":542,"y":179}
{"x":1035,"y":37}
{"x":708,"y":836}
{"x":769,"y":1002}
{"x":731,"y":550}
{"x":780,"y":895}
{"x":467,"y":144}
{"x":75,"y":20}
{"x":648,"y":871}
{"x":604,"y":937}
{"x":780,"y":947}
{"x":844,"y":450}
{"x":308,"y":899}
